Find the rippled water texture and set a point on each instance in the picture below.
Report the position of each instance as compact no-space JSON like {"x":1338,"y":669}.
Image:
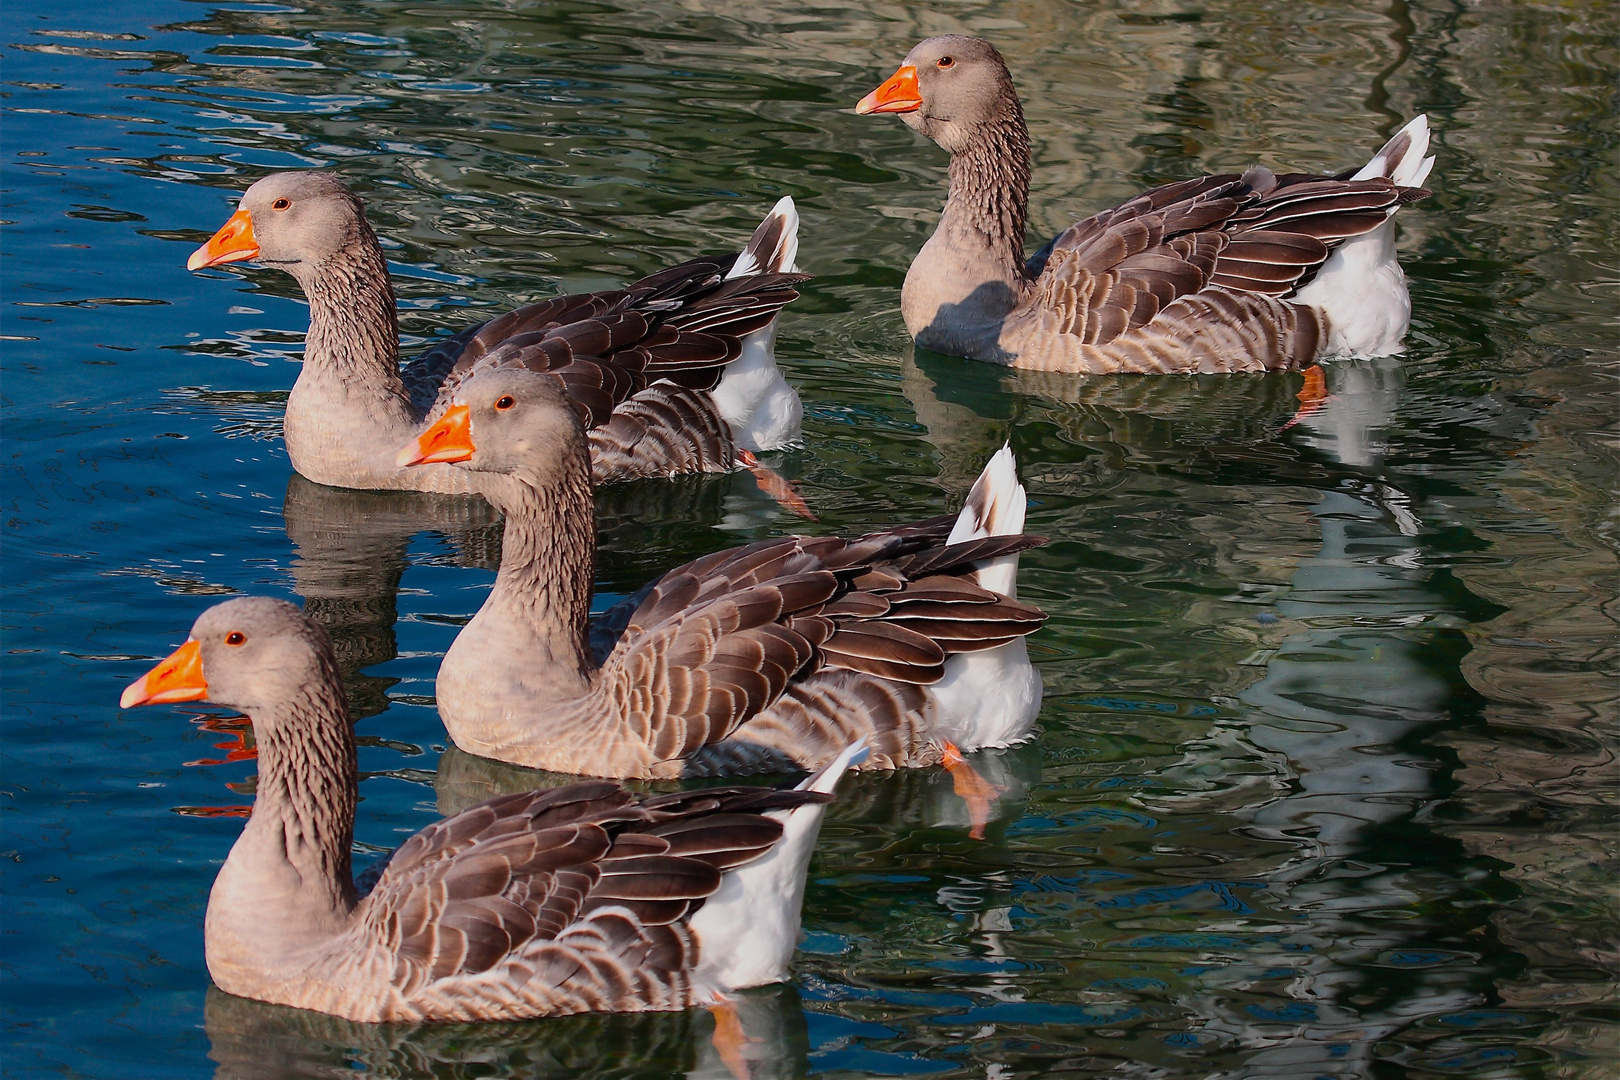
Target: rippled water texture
{"x":1325,"y":784}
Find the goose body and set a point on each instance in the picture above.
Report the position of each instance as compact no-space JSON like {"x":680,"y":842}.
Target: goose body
{"x":672,"y":374}
{"x":765,"y":658}
{"x":1249,"y":272}
{"x":543,"y":903}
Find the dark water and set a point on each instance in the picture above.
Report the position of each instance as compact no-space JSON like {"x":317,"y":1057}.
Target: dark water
{"x":1325,"y":784}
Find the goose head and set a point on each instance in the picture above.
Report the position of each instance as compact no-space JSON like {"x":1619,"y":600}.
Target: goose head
{"x":253,"y":653}
{"x":296,"y":221}
{"x":949,"y":88}
{"x":510,"y":421}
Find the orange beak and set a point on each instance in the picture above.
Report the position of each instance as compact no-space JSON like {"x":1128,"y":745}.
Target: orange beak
{"x":179,"y":677}
{"x":900,"y":93}
{"x":233,"y":243}
{"x":450,"y":439}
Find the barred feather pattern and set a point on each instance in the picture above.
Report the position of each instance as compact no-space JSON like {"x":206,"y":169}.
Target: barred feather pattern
{"x":539,"y":903}
{"x":548,"y":903}
{"x":665,"y":430}
{"x":1201,"y":275}
{"x":354,"y":406}
{"x":1195,"y":276}
{"x":770,"y":656}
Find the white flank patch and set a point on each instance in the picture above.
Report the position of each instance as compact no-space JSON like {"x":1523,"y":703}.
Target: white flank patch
{"x":1361,"y":288}
{"x":763,"y":410}
{"x":748,"y":929}
{"x":990,"y":698}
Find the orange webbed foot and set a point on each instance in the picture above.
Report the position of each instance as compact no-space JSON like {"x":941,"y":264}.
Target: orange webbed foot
{"x":729,"y":1038}
{"x":776,"y":486}
{"x":1312,"y":396}
{"x":979,"y":794}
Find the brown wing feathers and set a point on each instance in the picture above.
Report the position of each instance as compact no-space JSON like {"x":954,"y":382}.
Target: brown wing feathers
{"x":660,"y":431}
{"x":519,"y":871}
{"x":683,"y":324}
{"x":1255,"y":233}
{"x":718,"y":641}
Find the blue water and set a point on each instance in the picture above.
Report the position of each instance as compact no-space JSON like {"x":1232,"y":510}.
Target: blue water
{"x":1325,"y":780}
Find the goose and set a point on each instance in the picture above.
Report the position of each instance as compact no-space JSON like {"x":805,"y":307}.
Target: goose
{"x":543,"y":903}
{"x":765,"y":658}
{"x":673,"y":374}
{"x":1226,"y":273}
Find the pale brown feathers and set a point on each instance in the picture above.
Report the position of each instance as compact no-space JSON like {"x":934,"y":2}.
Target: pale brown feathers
{"x":1188,"y":276}
{"x":553,"y":902}
{"x":742,"y":637}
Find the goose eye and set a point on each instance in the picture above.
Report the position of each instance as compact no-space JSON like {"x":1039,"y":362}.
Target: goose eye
{"x":504,"y":402}
{"x":281,"y":204}
{"x":945,"y":62}
{"x":235,"y":637}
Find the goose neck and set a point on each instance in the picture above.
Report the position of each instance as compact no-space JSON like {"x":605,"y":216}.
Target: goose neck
{"x":353,"y":324}
{"x":548,"y":562}
{"x":303,"y":813}
{"x":989,"y":190}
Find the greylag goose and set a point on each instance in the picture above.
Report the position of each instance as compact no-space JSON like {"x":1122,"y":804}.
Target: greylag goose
{"x":764,"y":658}
{"x":1225,"y":273}
{"x":544,"y":903}
{"x":675,"y":373}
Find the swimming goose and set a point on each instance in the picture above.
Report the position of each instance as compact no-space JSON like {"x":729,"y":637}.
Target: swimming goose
{"x":675,"y":373}
{"x":543,"y":903}
{"x":765,"y":658}
{"x":1224,"y":273}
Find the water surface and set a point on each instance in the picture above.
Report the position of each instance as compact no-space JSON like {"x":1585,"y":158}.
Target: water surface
{"x":1325,"y":779}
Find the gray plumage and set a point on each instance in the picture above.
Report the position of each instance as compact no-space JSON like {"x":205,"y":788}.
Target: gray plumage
{"x":353,"y":405}
{"x":534,"y":904}
{"x":767,"y":657}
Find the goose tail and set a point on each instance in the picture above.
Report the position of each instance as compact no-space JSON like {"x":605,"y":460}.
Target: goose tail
{"x":1361,"y":289}
{"x":748,"y":929}
{"x":1403,"y":159}
{"x":990,"y":698}
{"x":762,"y":408}
{"x":995,"y":507}
{"x":774,"y":246}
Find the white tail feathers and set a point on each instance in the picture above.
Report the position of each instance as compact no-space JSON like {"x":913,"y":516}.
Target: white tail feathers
{"x":774,"y":246}
{"x":763,"y":410}
{"x":748,"y":929}
{"x":1361,"y":289}
{"x":826,"y":778}
{"x":1402,"y":158}
{"x":995,"y":507}
{"x":990,"y":698}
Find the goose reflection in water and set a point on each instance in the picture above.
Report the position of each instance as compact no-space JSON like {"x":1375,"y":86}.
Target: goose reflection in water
{"x":350,"y":549}
{"x":250,"y":1040}
{"x":1345,"y":704}
{"x":1319,"y":764}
